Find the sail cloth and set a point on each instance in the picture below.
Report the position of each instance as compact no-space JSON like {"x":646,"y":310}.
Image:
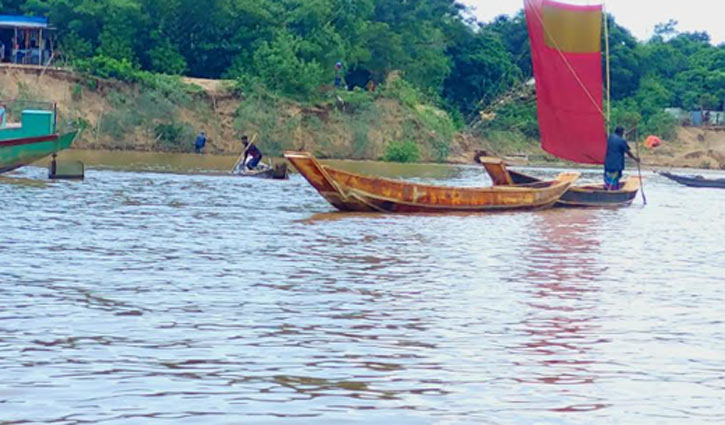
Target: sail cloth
{"x":567,"y":57}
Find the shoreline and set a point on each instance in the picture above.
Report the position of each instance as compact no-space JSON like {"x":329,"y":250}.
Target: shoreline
{"x":215,"y":164}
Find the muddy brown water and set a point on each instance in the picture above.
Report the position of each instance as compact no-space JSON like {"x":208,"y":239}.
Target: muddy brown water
{"x":139,"y":297}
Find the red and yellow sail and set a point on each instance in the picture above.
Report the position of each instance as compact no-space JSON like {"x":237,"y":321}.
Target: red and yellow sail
{"x":567,"y":57}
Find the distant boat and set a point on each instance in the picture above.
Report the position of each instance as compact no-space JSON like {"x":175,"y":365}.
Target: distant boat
{"x":34,"y":138}
{"x":353,"y":192}
{"x":695,"y":181}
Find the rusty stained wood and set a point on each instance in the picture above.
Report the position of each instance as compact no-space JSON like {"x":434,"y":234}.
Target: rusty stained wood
{"x":353,"y":192}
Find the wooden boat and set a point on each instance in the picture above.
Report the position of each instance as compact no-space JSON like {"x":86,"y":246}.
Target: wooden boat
{"x":276,"y":172}
{"x":352,"y":192}
{"x":695,"y":181}
{"x":33,"y":139}
{"x":594,"y":195}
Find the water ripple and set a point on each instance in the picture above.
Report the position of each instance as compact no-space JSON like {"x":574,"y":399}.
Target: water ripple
{"x":136,"y":297}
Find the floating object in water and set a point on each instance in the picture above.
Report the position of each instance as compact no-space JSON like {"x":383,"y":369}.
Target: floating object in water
{"x":66,"y":170}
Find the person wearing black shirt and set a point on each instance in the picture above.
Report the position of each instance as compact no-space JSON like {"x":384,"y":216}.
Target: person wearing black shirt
{"x":251,"y":150}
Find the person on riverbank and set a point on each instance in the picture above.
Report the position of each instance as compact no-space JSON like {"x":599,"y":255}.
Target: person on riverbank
{"x":338,"y":75}
{"x":614,"y":161}
{"x":252,"y":152}
{"x":200,"y":142}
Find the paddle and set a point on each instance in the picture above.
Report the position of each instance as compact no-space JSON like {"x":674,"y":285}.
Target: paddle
{"x":241,"y":157}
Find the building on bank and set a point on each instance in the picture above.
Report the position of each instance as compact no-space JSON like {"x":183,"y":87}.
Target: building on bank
{"x":25,"y":40}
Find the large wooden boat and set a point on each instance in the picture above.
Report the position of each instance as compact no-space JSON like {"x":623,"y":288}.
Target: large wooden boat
{"x":34,"y":138}
{"x":594,"y":195}
{"x":353,"y":192}
{"x":695,"y":181}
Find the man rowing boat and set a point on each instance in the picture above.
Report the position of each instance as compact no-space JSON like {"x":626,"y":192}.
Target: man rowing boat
{"x":251,"y":151}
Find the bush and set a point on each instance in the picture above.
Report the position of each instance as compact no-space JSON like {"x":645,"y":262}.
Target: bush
{"x":398,"y":88}
{"x":440,"y":128}
{"x":165,"y":58}
{"x":171,"y":86}
{"x":174,"y":136}
{"x":92,"y":84}
{"x":281,"y":67}
{"x":356,"y":100}
{"x":402,"y":152}
{"x":105,"y":67}
{"x":76,"y":92}
{"x":516,"y":116}
{"x":662,"y":125}
{"x":115,"y":124}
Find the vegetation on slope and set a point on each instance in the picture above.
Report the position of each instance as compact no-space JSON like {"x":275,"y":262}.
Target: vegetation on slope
{"x":282,"y":56}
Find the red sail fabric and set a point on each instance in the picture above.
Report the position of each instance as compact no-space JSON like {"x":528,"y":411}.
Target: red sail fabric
{"x":567,"y":58}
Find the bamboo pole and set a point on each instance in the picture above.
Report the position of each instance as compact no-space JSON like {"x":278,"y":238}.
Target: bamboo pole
{"x":639,"y":165}
{"x":609,"y":80}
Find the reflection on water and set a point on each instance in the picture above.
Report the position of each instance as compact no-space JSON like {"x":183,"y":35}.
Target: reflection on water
{"x":560,"y":298}
{"x":140,"y":297}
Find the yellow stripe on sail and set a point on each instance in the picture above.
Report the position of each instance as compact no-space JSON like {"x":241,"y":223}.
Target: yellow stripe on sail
{"x":572,"y":31}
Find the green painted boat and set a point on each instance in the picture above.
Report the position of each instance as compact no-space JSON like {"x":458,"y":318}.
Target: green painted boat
{"x":33,"y":139}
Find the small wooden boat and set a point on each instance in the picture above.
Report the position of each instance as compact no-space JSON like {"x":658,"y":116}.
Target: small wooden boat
{"x":277,"y":172}
{"x":594,"y":195}
{"x":352,"y":192}
{"x":695,"y":181}
{"x":33,"y":139}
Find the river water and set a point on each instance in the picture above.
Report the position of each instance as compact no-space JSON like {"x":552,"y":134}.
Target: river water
{"x":138,"y":297}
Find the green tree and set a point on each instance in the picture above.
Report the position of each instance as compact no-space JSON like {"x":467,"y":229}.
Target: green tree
{"x":515,"y":36}
{"x":281,"y":66}
{"x":625,"y":61}
{"x":482,"y":70}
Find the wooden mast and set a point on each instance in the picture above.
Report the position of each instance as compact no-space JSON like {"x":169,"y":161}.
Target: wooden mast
{"x":609,"y":81}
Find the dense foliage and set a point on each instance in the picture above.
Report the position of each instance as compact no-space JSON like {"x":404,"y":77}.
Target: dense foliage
{"x":291,"y":47}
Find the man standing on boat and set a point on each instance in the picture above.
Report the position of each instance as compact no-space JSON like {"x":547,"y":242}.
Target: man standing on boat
{"x":251,"y":151}
{"x":614,"y":161}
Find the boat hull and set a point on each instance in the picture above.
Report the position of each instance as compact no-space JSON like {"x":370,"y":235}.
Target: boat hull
{"x":277,"y":172}
{"x":596,"y":196}
{"x":352,"y":192}
{"x":15,"y":153}
{"x":589,"y":196}
{"x":695,"y":181}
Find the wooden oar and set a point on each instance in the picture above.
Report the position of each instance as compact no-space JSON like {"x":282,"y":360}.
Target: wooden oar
{"x":241,"y":157}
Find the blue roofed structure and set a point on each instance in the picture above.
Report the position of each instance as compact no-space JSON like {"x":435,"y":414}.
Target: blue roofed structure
{"x":18,"y":21}
{"x":25,"y":40}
